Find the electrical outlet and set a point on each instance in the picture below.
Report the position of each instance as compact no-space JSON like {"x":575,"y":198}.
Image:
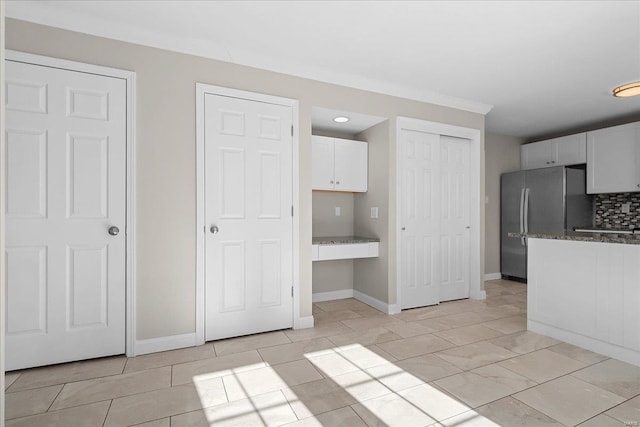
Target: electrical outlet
{"x":337,"y":210}
{"x":374,"y":213}
{"x":625,"y":208}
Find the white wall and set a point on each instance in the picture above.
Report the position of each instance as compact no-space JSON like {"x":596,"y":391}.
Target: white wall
{"x":502,"y":154}
{"x":2,"y":210}
{"x":166,"y":155}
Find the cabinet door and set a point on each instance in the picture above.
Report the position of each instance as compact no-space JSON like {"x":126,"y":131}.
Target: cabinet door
{"x":569,"y":150}
{"x":350,"y":165}
{"x":322,"y":163}
{"x":612,"y":156}
{"x":536,"y":155}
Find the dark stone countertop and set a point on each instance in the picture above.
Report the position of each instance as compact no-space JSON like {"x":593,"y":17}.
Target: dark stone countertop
{"x":342,"y":240}
{"x":627,"y":239}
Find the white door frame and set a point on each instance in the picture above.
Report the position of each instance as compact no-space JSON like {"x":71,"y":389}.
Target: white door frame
{"x":130,"y":78}
{"x":203,"y":89}
{"x":475,"y":183}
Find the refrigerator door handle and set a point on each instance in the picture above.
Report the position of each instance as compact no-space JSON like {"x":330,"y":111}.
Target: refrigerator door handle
{"x":522,"y":215}
{"x":526,"y":210}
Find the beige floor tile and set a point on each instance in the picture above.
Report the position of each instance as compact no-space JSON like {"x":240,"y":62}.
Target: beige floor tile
{"x":578,"y":353}
{"x":201,"y":370}
{"x":30,"y":402}
{"x":483,"y":385}
{"x":508,"y":325}
{"x":408,"y":329}
{"x":317,"y":397}
{"x":250,"y":342}
{"x":295,"y":351}
{"x":474,"y":355}
{"x":328,"y":329}
{"x":343,"y":417}
{"x":428,"y":367}
{"x":367,"y":311}
{"x":164,"y":422}
{"x":69,"y":372}
{"x":512,"y":412}
{"x":542,"y":365}
{"x":468,"y":334}
{"x":423,"y":313}
{"x":415,"y":346}
{"x":167,"y":358}
{"x":264,"y":380}
{"x":10,"y":378}
{"x":332,"y":364}
{"x":165,"y":402}
{"x":435,"y":324}
{"x":271,"y":409}
{"x":315,"y":309}
{"x":365,"y":323}
{"x":569,"y":400}
{"x":361,"y":385}
{"x":602,"y":420}
{"x":324,"y":317}
{"x":107,"y":388}
{"x":341,"y":304}
{"x":81,"y":416}
{"x":524,"y":342}
{"x":391,"y":410}
{"x":434,"y":402}
{"x":500,"y":311}
{"x":618,"y":377}
{"x":463,"y":319}
{"x":394,"y":377}
{"x":365,"y":337}
{"x":628,"y":412}
{"x":468,"y":419}
{"x":365,"y":357}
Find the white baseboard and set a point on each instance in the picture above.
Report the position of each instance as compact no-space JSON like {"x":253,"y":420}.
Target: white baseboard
{"x":478,"y":295}
{"x":330,"y":296}
{"x":154,"y":345}
{"x":303,"y":322}
{"x":376,"y":303}
{"x":493,"y":276}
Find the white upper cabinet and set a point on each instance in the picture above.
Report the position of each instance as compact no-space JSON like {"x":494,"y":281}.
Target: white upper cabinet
{"x":339,"y":164}
{"x":613,"y":159}
{"x":563,"y":151}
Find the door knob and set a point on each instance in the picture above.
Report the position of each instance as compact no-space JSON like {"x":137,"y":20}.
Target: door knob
{"x":214,"y":229}
{"x":114,"y":231}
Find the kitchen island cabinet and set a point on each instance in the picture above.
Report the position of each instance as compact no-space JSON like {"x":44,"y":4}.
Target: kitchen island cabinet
{"x":587,"y":292}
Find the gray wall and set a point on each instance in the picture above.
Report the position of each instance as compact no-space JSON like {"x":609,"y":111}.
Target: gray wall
{"x":502,"y":154}
{"x":371,"y":275}
{"x":165,"y":123}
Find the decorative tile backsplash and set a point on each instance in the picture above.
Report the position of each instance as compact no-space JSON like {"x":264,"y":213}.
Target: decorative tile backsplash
{"x":609,"y":210}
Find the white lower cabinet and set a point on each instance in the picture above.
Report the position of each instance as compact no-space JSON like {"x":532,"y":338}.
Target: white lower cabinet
{"x":587,"y":294}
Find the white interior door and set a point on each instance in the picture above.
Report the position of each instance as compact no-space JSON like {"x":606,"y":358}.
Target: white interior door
{"x":434,"y":218}
{"x":454,"y":218}
{"x":248,"y":199}
{"x":65,"y":161}
{"x":419,"y":218}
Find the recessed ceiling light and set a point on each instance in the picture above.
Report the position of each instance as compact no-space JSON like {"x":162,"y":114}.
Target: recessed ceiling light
{"x":630,"y":89}
{"x":341,"y":119}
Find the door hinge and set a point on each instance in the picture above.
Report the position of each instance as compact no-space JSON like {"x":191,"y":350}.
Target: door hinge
{"x":292,"y":292}
{"x":291,"y":210}
{"x":291,"y":130}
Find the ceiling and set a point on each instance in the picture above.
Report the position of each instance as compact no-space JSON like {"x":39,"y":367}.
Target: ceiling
{"x":322,"y":120}
{"x":536,"y":67}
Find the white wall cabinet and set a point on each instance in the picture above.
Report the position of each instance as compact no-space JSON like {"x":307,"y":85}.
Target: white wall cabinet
{"x":339,"y":164}
{"x":562,"y":151}
{"x":613,"y":159}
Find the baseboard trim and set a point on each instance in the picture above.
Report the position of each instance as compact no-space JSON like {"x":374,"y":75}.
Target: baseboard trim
{"x":303,"y":322}
{"x":376,"y":303}
{"x":333,"y":295}
{"x":172,"y":342}
{"x":478,"y":295}
{"x":493,"y":276}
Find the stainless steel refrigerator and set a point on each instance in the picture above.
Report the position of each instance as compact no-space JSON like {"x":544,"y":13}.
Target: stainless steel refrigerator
{"x":538,"y":201}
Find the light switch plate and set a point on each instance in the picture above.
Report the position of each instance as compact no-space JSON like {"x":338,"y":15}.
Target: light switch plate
{"x":337,"y":210}
{"x":374,"y":213}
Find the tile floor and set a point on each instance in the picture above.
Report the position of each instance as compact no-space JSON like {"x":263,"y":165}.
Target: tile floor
{"x":463,"y":363}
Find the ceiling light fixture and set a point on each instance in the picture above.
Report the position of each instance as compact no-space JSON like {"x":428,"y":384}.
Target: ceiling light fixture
{"x":341,"y":119}
{"x":630,"y":89}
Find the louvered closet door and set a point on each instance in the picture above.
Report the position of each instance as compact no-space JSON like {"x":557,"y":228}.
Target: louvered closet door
{"x":65,"y":163}
{"x":248,"y":179}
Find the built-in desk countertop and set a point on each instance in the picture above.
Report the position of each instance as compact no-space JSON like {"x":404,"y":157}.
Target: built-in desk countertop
{"x":344,"y":247}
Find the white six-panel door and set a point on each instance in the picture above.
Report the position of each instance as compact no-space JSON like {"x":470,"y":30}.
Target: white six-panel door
{"x":65,"y":161}
{"x":249,"y":226}
{"x":434,"y":218}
